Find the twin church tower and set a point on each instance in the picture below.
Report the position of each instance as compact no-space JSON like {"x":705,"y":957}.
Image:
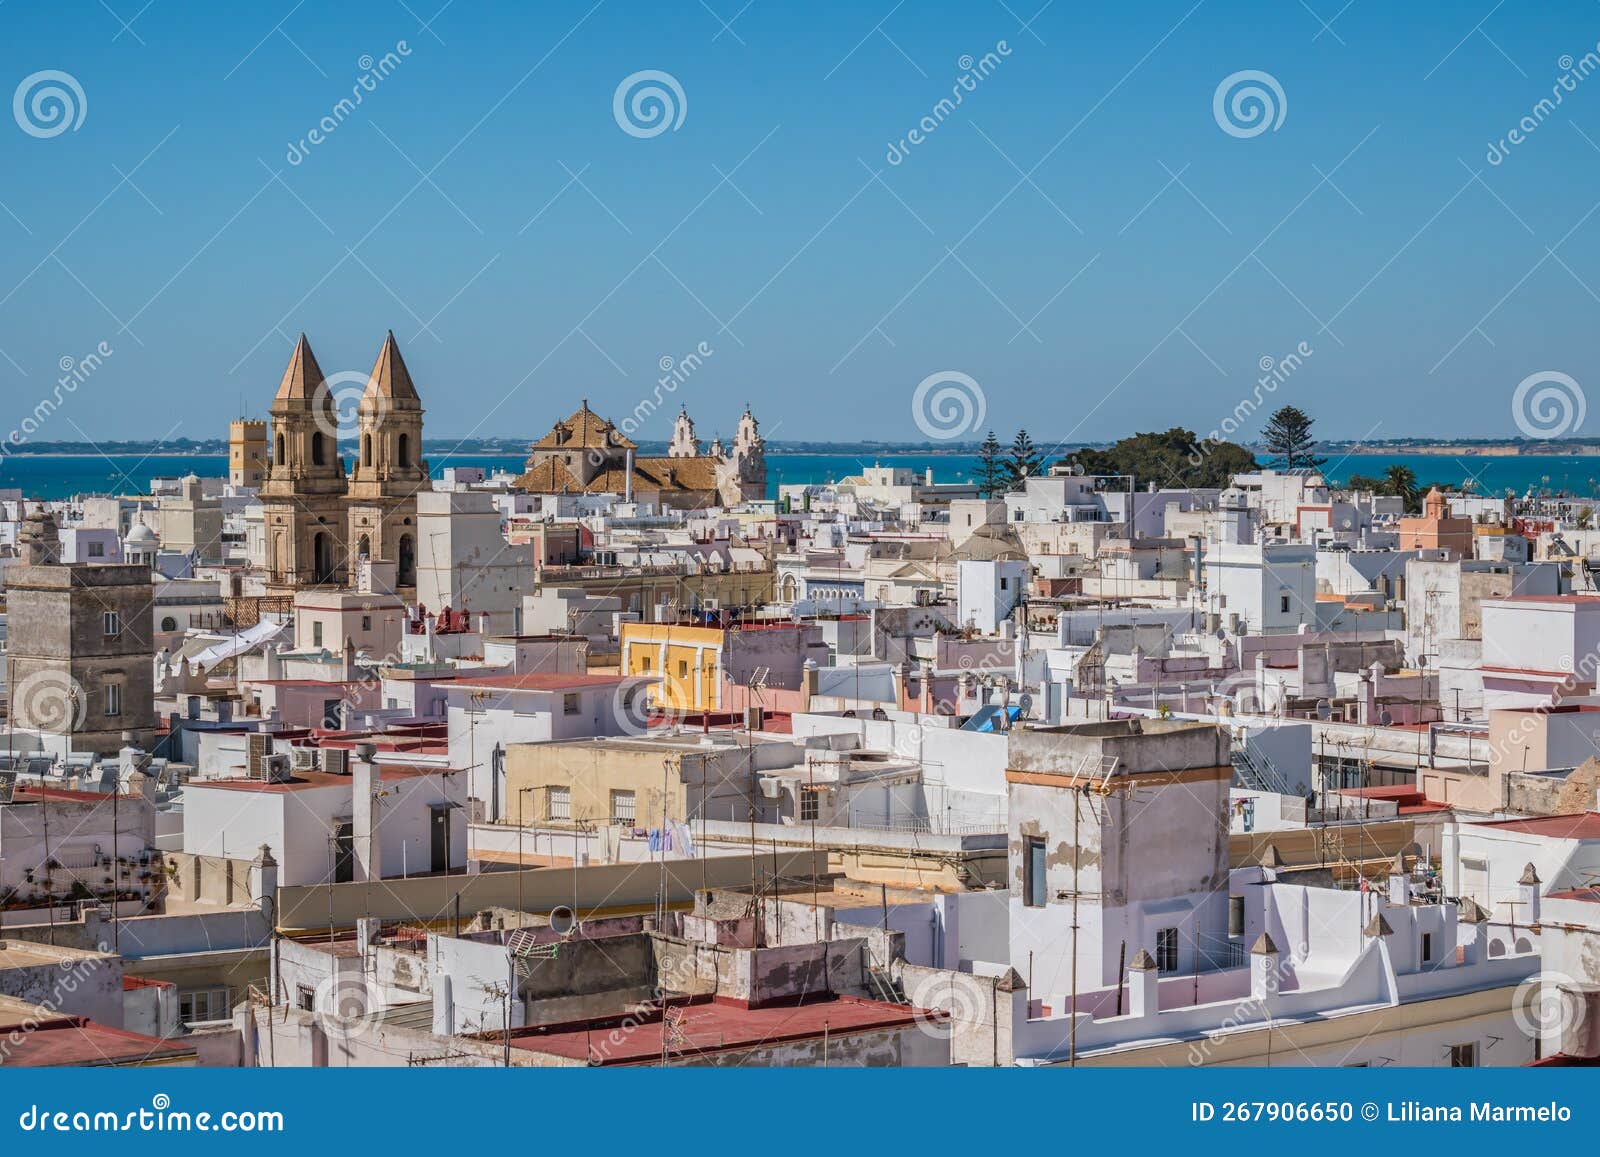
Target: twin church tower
{"x":319,"y":522}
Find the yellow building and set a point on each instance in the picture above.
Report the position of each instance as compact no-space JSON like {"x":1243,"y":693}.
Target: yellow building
{"x":687,"y":660}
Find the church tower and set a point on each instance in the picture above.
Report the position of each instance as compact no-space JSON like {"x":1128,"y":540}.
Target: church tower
{"x":303,"y":497}
{"x":390,"y":469}
{"x":748,"y":462}
{"x":684,"y":443}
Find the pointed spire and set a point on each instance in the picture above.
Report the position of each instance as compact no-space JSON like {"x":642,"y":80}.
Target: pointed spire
{"x":390,"y":378}
{"x":1529,"y":875}
{"x":1377,"y":926}
{"x":1264,"y":946}
{"x":1143,"y":962}
{"x":301,"y":379}
{"x":1471,"y":911}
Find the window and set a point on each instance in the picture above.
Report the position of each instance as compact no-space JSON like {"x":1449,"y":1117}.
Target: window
{"x":97,"y":550}
{"x":1464,"y":1056}
{"x":683,"y":668}
{"x":308,"y":998}
{"x":366,"y":622}
{"x":1427,"y":947}
{"x":1033,"y":881}
{"x":1283,"y":603}
{"x":113,"y":699}
{"x":810,"y":805}
{"x":1167,"y":950}
{"x":1235,"y":915}
{"x":570,"y":704}
{"x":203,"y":1004}
{"x":169,"y":624}
{"x":316,"y":634}
{"x":110,"y":624}
{"x":622,"y":809}
{"x":560,"y":803}
{"x":644,"y":664}
{"x":1005,"y":583}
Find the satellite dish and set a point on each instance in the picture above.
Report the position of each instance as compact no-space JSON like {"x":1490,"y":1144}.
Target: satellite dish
{"x":563,"y":921}
{"x":1025,"y":703}
{"x":1324,"y":709}
{"x":1386,"y":719}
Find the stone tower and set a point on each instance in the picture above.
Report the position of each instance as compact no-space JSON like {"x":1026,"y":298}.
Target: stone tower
{"x":303,"y":499}
{"x":390,"y":469}
{"x":79,"y":661}
{"x":684,"y":443}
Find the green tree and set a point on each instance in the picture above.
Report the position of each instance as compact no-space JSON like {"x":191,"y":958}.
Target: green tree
{"x":1402,"y":481}
{"x":1175,"y":458}
{"x":1287,"y":438}
{"x":1023,"y":460}
{"x":992,"y":472}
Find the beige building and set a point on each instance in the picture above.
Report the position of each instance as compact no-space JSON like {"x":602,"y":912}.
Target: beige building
{"x":318,"y":523}
{"x":247,"y":453}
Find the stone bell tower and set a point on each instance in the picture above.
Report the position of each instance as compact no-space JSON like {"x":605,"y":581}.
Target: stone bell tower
{"x":390,"y":469}
{"x":303,"y":497}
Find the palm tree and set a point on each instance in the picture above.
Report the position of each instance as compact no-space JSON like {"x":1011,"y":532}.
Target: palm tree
{"x":1402,"y":481}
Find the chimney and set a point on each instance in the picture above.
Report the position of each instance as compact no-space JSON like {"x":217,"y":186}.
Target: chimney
{"x":1470,"y":930}
{"x":808,"y":684}
{"x":1144,"y":982}
{"x":1264,"y":978}
{"x":1399,"y":882}
{"x":264,"y":883}
{"x":1528,"y":896}
{"x":365,"y":788}
{"x":627,"y":476}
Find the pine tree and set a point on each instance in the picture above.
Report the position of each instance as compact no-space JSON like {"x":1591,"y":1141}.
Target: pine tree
{"x":1287,"y":438}
{"x":992,"y":472}
{"x":1023,"y":460}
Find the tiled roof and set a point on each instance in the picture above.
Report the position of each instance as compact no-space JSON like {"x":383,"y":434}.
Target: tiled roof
{"x":584,"y":430}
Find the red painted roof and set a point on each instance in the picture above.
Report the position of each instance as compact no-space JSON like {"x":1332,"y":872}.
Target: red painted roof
{"x":1582,"y":826}
{"x":1559,"y":600}
{"x":712,"y":1026}
{"x":541,"y":681}
{"x":1587,"y":895}
{"x":76,"y":1040}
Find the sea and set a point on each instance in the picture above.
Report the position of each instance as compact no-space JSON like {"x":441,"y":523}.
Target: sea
{"x":68,"y":475}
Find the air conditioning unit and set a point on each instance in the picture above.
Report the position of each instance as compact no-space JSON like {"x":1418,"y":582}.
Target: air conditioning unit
{"x":305,"y":758}
{"x":336,"y":760}
{"x":277,"y":769}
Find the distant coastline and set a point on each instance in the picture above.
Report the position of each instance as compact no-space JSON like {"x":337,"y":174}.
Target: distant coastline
{"x":1465,"y":448}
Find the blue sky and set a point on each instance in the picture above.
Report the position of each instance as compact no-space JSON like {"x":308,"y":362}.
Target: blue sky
{"x":1134,"y":280}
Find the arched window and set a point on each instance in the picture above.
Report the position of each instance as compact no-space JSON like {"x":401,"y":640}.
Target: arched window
{"x":366,"y":449}
{"x":282,"y":452}
{"x":322,"y":554}
{"x":169,"y":624}
{"x":318,"y":454}
{"x":403,"y":450}
{"x":364,"y":547}
{"x":407,"y":568}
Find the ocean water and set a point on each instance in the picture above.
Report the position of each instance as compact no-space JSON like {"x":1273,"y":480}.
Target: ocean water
{"x":63,"y":476}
